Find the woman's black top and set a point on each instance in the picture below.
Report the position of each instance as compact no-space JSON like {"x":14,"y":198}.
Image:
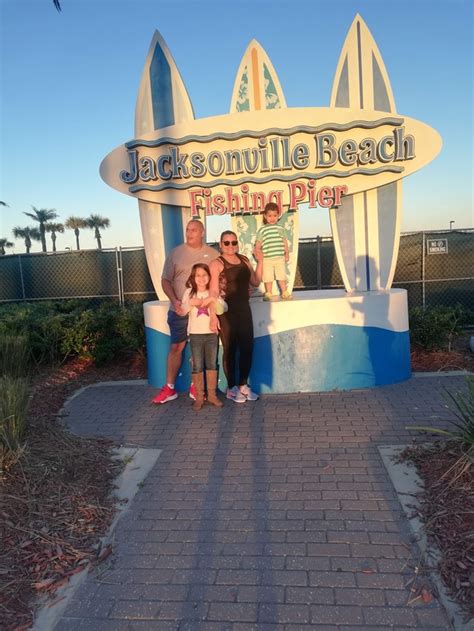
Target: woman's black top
{"x":234,"y":282}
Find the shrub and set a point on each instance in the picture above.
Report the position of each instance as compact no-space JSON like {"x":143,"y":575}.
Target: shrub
{"x":57,"y":330}
{"x":435,"y":328}
{"x":131,"y":328}
{"x":13,"y":398}
{"x":14,"y":356}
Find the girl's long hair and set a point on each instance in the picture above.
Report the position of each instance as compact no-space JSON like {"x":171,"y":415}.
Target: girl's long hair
{"x":191,"y":282}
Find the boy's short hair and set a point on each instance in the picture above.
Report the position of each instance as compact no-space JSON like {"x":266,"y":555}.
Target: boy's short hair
{"x":270,"y":206}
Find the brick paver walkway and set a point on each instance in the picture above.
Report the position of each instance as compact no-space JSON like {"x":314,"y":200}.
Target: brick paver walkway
{"x":271,"y":515}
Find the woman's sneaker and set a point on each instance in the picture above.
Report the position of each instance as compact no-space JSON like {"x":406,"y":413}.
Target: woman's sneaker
{"x":166,"y":394}
{"x":235,"y":395}
{"x":248,"y":394}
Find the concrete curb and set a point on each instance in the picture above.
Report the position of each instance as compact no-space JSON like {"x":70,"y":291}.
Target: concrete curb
{"x":129,"y":382}
{"x":445,"y":373}
{"x":407,"y":484}
{"x":139,"y":463}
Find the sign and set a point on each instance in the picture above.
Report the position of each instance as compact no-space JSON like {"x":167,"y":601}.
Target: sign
{"x":436,"y":246}
{"x":236,"y":163}
{"x":349,"y":158}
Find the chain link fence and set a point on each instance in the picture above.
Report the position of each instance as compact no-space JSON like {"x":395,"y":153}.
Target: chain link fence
{"x":436,"y":268}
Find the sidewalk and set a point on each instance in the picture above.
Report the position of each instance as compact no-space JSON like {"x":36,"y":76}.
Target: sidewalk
{"x":273,"y":515}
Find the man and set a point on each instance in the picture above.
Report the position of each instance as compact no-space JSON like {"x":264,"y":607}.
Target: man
{"x":176,"y":272}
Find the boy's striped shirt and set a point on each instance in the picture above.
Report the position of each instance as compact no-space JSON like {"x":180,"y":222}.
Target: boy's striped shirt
{"x":272,"y":236}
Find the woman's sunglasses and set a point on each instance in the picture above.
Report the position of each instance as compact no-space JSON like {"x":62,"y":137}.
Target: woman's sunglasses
{"x":229,"y":242}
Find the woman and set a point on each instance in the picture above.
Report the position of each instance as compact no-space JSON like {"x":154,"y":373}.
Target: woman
{"x":232,"y":275}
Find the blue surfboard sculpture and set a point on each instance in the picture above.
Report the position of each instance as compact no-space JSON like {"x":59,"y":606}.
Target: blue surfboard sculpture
{"x":162,"y":101}
{"x":366,"y":228}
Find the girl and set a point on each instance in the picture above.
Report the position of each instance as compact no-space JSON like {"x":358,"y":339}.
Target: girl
{"x":200,"y":305}
{"x":232,"y":274}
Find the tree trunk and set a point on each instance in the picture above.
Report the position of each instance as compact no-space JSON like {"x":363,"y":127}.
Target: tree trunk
{"x":28,"y":244}
{"x":97,"y":236}
{"x":76,"y":232}
{"x":53,"y":239}
{"x":43,"y":237}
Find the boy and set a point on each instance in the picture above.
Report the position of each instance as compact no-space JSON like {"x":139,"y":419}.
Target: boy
{"x":272,"y":242}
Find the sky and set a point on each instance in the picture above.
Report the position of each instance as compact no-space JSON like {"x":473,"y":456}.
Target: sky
{"x":69,"y":82}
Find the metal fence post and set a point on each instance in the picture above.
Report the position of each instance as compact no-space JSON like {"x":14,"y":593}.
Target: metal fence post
{"x":423,"y":254}
{"x":118,"y":263}
{"x":318,"y":262}
{"x":21,"y":278}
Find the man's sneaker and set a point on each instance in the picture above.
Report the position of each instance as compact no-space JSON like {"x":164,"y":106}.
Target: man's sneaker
{"x":235,"y":395}
{"x":192,"y":392}
{"x":166,"y":394}
{"x":267,"y":296}
{"x":248,"y":394}
{"x":286,"y":295}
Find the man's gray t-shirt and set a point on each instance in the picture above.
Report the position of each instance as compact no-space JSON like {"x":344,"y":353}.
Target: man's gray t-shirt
{"x":179,"y":263}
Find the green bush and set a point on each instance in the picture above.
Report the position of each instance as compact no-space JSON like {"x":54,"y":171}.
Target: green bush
{"x":57,"y":330}
{"x":13,"y":397}
{"x":14,"y":356}
{"x":435,"y":328}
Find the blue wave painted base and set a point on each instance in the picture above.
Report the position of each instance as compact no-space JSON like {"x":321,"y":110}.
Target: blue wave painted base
{"x":310,"y":359}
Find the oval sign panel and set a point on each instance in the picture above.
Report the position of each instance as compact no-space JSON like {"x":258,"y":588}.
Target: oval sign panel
{"x":298,"y":155}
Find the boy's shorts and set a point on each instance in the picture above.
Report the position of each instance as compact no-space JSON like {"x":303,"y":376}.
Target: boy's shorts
{"x":274,"y":268}
{"x":178,"y":327}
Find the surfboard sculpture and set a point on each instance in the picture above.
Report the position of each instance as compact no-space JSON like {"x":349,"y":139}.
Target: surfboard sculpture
{"x":349,"y":157}
{"x":366,"y":227}
{"x":257,"y":87}
{"x":162,"y":101}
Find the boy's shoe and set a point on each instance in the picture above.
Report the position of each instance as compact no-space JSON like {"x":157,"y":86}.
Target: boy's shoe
{"x":235,"y":395}
{"x":248,"y":394}
{"x":286,"y":295}
{"x":166,"y":394}
{"x":267,"y":296}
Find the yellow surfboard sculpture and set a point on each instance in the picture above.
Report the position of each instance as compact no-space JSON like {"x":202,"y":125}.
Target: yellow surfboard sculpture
{"x":366,"y":228}
{"x":257,"y":87}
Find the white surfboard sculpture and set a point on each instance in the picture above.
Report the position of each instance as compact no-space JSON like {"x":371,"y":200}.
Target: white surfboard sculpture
{"x":257,"y":87}
{"x":366,"y":228}
{"x":162,"y":101}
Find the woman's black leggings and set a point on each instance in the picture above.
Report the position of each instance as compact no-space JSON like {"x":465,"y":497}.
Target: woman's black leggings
{"x":237,"y":336}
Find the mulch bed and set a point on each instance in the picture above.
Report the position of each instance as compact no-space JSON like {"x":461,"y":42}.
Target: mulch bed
{"x":56,"y":499}
{"x":446,"y":507}
{"x":460,"y":358}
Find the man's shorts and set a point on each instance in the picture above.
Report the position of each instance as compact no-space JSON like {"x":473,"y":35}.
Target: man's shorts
{"x":274,"y":268}
{"x":178,"y":327}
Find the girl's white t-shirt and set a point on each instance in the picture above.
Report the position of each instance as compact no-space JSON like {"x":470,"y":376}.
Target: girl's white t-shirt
{"x":198,"y":317}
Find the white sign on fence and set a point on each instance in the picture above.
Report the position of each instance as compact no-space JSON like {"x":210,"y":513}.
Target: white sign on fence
{"x":437,"y":246}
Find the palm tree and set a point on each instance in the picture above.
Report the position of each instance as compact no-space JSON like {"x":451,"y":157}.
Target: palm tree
{"x":95,"y":222}
{"x":28,"y":233}
{"x":53,"y":228}
{"x":5,"y":243}
{"x":42,"y":215}
{"x":76,"y":223}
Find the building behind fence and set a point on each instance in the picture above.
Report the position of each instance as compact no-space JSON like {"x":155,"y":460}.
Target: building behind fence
{"x":436,"y":268}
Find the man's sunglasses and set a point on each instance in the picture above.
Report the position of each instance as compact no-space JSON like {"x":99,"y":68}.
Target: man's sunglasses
{"x":229,"y":242}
